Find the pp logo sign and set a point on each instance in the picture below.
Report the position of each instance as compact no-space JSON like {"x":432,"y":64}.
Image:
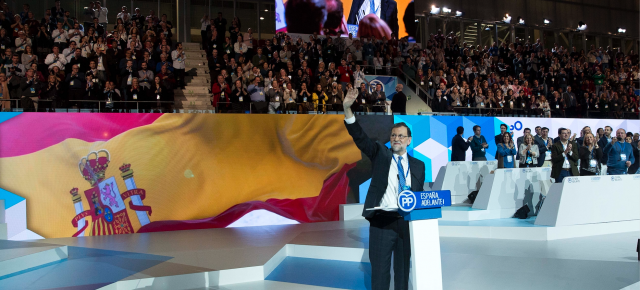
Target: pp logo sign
{"x":407,"y":201}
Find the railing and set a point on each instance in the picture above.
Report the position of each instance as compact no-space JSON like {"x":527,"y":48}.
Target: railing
{"x":93,"y":105}
{"x":420,"y":92}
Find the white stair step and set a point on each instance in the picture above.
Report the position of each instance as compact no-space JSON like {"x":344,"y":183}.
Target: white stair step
{"x":192,"y":97}
{"x":196,"y":90}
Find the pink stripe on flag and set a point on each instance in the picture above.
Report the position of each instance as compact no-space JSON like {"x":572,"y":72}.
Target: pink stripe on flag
{"x":32,"y":132}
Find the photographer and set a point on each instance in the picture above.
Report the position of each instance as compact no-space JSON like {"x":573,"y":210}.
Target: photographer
{"x":15,"y":67}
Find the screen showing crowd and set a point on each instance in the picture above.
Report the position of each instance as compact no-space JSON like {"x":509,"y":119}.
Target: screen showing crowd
{"x":361,"y":18}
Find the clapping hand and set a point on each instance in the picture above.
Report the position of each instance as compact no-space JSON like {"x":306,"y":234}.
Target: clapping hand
{"x":568,"y":149}
{"x":349,"y":99}
{"x":614,"y":140}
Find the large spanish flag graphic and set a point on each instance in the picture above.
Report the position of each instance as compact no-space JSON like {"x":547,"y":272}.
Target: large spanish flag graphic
{"x":198,"y":170}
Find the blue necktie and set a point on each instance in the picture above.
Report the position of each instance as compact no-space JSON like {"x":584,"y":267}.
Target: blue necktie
{"x":372,"y":7}
{"x":402,"y":182}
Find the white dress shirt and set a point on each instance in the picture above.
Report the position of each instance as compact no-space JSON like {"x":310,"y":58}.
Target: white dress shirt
{"x":365,"y":9}
{"x":390,"y":198}
{"x":566,"y":164}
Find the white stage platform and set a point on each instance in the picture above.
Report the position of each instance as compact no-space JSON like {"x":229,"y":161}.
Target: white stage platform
{"x":252,"y":258}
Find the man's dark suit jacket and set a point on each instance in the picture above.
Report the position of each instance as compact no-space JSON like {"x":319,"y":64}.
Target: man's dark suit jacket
{"x":381,"y":158}
{"x":557,"y":159}
{"x":542,"y":149}
{"x":459,"y":148}
{"x":399,"y":103}
{"x":389,"y":13}
{"x":602,"y":143}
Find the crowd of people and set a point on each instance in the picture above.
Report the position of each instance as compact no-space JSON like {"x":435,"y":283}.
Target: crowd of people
{"x":604,"y":152}
{"x":63,"y":62}
{"x":288,"y":73}
{"x":517,"y":78}
{"x":59,"y":61}
{"x":523,"y":78}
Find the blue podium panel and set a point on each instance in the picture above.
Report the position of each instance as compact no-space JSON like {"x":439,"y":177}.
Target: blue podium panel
{"x":409,"y":201}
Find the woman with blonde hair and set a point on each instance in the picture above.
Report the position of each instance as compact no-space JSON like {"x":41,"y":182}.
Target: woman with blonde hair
{"x":590,"y":155}
{"x":528,"y":152}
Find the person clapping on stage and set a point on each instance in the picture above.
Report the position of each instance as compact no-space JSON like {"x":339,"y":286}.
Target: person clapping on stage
{"x":590,"y":156}
{"x":507,"y":150}
{"x":619,"y":154}
{"x":528,"y":152}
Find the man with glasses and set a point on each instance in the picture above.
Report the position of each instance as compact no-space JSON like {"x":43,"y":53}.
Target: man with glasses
{"x":393,"y":172}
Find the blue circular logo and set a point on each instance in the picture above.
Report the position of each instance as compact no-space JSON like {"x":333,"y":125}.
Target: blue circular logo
{"x":407,"y":201}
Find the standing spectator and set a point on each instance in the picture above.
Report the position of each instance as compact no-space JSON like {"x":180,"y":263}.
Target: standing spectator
{"x":619,"y":154}
{"x":506,"y":151}
{"x":590,"y":156}
{"x":204,"y":24}
{"x":459,"y":145}
{"x":544,"y":147}
{"x":240,"y":48}
{"x":275,"y":97}
{"x":124,"y":15}
{"x":345,"y":74}
{"x":478,"y":145}
{"x":101,"y":13}
{"x":564,"y":157}
{"x":220,"y":25}
{"x":529,"y":152}
{"x":221,"y":91}
{"x":60,"y":36}
{"x":55,"y":59}
{"x":57,"y":11}
{"x":179,"y":58}
{"x":399,"y":101}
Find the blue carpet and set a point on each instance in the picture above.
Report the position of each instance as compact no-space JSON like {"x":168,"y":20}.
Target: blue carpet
{"x":326,"y":273}
{"x":84,"y":269}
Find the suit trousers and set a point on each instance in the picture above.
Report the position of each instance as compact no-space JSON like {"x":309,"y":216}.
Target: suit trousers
{"x":389,"y":234}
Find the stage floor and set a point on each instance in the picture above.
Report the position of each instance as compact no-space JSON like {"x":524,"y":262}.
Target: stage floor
{"x":330,"y":255}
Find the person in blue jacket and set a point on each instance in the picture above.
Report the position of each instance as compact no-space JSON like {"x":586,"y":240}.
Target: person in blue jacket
{"x":478,"y":145}
{"x":507,"y":150}
{"x":619,"y":154}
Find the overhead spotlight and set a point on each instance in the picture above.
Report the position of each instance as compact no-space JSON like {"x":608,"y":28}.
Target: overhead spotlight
{"x":547,"y":21}
{"x":487,"y":28}
{"x":622,"y":30}
{"x":446,"y":10}
{"x":507,"y":18}
{"x":520,"y":20}
{"x":458,"y":13}
{"x":582,"y":26}
{"x":417,"y":20}
{"x":435,"y":10}
{"x":266,"y":10}
{"x":261,"y":18}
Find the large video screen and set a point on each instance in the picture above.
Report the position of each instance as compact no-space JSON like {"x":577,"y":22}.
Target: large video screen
{"x":362,"y":18}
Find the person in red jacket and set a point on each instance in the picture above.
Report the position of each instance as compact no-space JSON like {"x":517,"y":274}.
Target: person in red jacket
{"x":345,"y":74}
{"x":221,"y":91}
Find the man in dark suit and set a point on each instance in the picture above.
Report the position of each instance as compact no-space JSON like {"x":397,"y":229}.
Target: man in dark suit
{"x":544,"y":143}
{"x":387,"y":10}
{"x":564,"y":157}
{"x":393,"y":171}
{"x":399,"y":102}
{"x":503,"y":129}
{"x":439,"y":103}
{"x":606,"y":139}
{"x":459,"y":145}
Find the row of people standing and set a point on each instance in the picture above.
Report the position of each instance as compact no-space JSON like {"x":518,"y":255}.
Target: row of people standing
{"x":566,"y":156}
